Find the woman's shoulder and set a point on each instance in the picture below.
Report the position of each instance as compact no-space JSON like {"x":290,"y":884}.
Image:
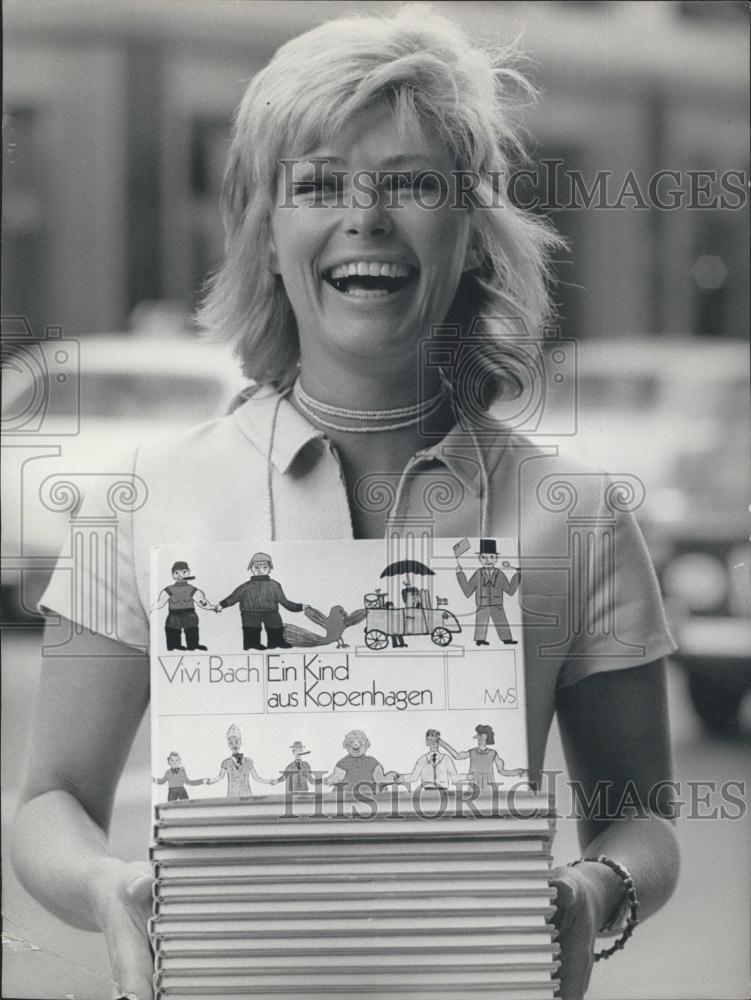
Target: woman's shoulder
{"x":547,"y":475}
{"x":258,"y":421}
{"x":196,"y":443}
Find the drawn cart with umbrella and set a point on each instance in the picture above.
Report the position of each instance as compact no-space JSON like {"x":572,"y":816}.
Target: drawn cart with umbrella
{"x":416,"y":616}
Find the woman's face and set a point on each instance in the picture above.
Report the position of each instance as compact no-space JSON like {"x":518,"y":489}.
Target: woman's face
{"x":367,"y":264}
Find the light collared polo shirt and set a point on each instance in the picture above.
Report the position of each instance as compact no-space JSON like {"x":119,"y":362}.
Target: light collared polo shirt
{"x":589,"y":596}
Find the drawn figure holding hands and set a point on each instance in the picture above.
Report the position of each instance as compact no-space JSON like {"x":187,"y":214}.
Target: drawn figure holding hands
{"x":237,"y":768}
{"x":182,"y":598}
{"x":433,"y":769}
{"x":358,"y":767}
{"x":259,"y":599}
{"x":483,"y":759}
{"x":297,"y":773}
{"x":176,"y":778}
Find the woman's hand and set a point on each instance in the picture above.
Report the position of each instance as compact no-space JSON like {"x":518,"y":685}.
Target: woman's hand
{"x":121,"y":904}
{"x":583,"y":906}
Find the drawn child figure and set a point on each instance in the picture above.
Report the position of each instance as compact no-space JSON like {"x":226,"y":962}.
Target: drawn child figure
{"x":237,"y":768}
{"x":433,"y":769}
{"x":489,"y":584}
{"x":357,"y":767}
{"x":483,"y":759}
{"x":414,"y":618}
{"x":259,"y":599}
{"x":182,"y":597}
{"x":176,"y":778}
{"x":297,"y":773}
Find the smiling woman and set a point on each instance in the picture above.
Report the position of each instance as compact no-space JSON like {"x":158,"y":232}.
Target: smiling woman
{"x":381,"y":291}
{"x":369,"y":280}
{"x":359,"y":119}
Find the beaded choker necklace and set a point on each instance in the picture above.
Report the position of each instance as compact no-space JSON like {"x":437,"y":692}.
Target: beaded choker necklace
{"x":371,"y":421}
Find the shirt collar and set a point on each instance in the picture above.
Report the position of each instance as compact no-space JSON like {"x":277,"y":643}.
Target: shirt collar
{"x":465,"y":452}
{"x":461,"y":450}
{"x":255,"y":419}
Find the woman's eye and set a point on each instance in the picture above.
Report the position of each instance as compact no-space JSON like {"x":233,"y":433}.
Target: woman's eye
{"x":397,"y":181}
{"x":427,"y":182}
{"x":423,"y":182}
{"x":316,"y":189}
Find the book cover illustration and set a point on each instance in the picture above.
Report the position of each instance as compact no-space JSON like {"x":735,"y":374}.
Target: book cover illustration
{"x":339,"y":774}
{"x":295,"y":666}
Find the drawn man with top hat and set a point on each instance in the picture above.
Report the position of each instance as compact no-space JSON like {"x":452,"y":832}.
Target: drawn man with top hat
{"x":489,"y":584}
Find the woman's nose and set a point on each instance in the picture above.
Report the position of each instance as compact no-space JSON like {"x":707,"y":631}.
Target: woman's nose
{"x":369,"y":217}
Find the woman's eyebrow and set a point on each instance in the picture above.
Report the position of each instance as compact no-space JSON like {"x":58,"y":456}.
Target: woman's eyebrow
{"x":402,"y":159}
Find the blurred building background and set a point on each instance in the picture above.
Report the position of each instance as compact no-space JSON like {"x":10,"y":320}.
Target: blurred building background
{"x":116,"y":123}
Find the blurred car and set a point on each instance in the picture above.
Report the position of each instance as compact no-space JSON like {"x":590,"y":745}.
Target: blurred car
{"x":645,"y":404}
{"x":676,"y":414}
{"x":698,"y":526}
{"x":69,"y":406}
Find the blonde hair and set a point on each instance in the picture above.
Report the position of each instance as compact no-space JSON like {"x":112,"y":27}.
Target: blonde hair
{"x":426,"y":69}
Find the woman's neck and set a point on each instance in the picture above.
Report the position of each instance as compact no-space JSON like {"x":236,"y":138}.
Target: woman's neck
{"x":374,"y":384}
{"x":365,"y":457}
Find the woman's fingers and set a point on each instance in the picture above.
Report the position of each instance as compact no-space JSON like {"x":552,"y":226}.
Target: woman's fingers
{"x":125,"y":931}
{"x":576,"y":933}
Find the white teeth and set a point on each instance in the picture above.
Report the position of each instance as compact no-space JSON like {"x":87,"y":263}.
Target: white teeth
{"x":370,"y":269}
{"x":369,"y":293}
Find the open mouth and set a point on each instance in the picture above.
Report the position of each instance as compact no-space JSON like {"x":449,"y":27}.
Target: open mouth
{"x":370,"y":279}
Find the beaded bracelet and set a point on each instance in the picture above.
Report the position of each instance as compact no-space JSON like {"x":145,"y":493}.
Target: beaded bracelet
{"x":630,"y":901}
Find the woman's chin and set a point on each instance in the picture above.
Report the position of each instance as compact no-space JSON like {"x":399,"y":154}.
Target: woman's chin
{"x":378,"y":329}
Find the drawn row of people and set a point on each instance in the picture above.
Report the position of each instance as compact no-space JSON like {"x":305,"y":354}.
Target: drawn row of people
{"x":436,"y":768}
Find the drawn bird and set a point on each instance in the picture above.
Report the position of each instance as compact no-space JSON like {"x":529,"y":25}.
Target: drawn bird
{"x":334,"y":624}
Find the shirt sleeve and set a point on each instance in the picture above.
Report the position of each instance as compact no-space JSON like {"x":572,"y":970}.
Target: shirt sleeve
{"x":94,"y":582}
{"x":618,"y":614}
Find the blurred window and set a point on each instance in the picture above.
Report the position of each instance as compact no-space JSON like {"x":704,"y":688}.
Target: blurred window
{"x":126,"y":396}
{"x":209,"y":144}
{"x":720,"y":274}
{"x":543,"y":189}
{"x":714,"y":11}
{"x":620,"y":392}
{"x":25,"y":269}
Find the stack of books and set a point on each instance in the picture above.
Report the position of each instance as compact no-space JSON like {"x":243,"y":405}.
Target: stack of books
{"x":313,"y":894}
{"x":399,"y":861}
